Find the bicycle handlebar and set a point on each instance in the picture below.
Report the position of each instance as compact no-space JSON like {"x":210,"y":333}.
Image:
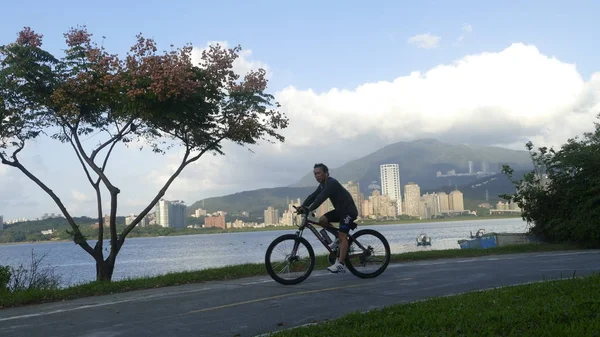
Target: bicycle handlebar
{"x":312,"y":213}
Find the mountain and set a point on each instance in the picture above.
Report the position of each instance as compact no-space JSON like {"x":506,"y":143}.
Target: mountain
{"x":254,"y":202}
{"x":420,"y":160}
{"x":494,"y":185}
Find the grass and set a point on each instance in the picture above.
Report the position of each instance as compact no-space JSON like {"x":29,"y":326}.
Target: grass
{"x":19,"y":298}
{"x":552,"y":308}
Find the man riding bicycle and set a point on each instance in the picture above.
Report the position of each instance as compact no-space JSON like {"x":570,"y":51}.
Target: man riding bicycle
{"x":344,"y":212}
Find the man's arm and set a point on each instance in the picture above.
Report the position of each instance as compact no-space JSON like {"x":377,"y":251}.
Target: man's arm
{"x":325,"y":193}
{"x":311,"y":197}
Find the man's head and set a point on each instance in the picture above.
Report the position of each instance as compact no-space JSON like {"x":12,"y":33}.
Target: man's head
{"x":321,"y":172}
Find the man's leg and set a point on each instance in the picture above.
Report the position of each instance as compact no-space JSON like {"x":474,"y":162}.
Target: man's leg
{"x":325,"y":221}
{"x":339,"y":265}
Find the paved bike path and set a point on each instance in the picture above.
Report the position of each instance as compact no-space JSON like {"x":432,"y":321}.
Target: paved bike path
{"x":254,"y":306}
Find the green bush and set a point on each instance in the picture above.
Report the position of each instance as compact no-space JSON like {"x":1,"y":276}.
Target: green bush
{"x":4,"y":278}
{"x":31,"y":277}
{"x":560,"y":198}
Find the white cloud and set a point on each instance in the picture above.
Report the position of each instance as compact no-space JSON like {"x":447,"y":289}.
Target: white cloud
{"x":78,"y":196}
{"x":497,"y":98}
{"x":518,"y":85}
{"x":425,"y":41}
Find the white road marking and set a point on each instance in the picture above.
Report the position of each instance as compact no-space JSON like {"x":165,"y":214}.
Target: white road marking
{"x":87,"y":306}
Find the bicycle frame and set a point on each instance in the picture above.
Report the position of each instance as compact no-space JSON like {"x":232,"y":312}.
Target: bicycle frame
{"x":307,"y":223}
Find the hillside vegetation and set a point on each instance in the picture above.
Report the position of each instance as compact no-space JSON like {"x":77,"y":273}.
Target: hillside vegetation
{"x":420,"y":160}
{"x":561,"y":196}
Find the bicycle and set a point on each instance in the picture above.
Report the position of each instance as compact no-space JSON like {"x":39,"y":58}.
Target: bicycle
{"x":363,"y":252}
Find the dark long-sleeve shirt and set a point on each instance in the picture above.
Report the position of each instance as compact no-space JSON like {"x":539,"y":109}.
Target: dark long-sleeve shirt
{"x":340,"y":198}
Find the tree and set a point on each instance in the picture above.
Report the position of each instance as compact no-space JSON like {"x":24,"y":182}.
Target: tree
{"x":159,"y":98}
{"x":561,"y":196}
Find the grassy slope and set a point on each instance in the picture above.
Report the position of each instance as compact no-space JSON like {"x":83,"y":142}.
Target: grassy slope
{"x":552,"y":308}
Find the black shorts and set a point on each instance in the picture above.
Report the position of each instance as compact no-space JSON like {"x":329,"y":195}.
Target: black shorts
{"x":346,"y":222}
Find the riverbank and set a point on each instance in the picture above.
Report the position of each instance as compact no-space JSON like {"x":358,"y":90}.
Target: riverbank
{"x":240,"y":271}
{"x":189,"y":231}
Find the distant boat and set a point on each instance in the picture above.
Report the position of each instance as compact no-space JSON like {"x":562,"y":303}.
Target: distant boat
{"x":498,"y":240}
{"x":484,"y":241}
{"x":480,"y":233}
{"x":424,"y":240}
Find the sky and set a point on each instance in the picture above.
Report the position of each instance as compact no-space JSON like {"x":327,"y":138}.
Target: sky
{"x":351,"y":76}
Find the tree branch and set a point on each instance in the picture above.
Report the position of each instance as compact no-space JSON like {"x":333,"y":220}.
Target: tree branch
{"x":78,"y":237}
{"x":106,"y":158}
{"x":6,"y":161}
{"x":100,"y":242}
{"x":87,"y":172}
{"x":184,"y":162}
{"x":96,"y":186}
{"x":14,"y":155}
{"x":113,"y":139}
{"x":114,"y":243}
{"x":92,"y":164}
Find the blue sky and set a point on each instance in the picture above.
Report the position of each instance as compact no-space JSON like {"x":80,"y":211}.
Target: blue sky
{"x":311,"y":48}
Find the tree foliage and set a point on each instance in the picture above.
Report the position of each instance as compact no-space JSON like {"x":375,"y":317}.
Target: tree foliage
{"x":161,"y":99}
{"x":561,"y":196}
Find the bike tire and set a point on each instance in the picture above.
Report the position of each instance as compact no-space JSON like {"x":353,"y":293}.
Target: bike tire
{"x":387,"y":258}
{"x":269,"y":266}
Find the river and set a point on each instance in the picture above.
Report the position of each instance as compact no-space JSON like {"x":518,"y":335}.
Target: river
{"x":159,"y":255}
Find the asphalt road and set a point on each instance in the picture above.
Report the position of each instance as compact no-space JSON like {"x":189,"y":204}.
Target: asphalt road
{"x":255,"y":306}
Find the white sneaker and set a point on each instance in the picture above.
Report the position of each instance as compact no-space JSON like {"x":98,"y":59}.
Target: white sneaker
{"x":337,"y":267}
{"x":335,"y":244}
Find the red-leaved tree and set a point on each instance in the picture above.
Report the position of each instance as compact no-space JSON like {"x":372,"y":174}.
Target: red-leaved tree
{"x":162,"y":99}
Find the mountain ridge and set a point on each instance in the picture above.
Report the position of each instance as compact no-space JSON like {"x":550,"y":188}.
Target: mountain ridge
{"x":428,"y":156}
{"x":431,"y":156}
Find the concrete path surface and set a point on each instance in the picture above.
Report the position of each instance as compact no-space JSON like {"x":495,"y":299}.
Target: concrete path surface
{"x":255,"y":306}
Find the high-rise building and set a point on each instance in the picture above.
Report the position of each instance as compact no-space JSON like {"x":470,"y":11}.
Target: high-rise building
{"x":271,"y":216}
{"x":390,"y":184}
{"x":215,"y":221}
{"x":431,"y":205}
{"x":170,"y":213}
{"x":412,"y":199}
{"x":471,"y":167}
{"x":353,"y":188}
{"x":178,"y":219}
{"x":456,"y":201}
{"x":485,"y":167}
{"x":444,"y":204}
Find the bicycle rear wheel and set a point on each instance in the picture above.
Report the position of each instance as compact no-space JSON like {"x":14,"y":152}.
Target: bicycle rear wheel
{"x":368,"y":248}
{"x":285,"y":268}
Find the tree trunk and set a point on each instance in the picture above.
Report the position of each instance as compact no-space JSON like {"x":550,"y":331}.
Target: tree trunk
{"x":104,"y":270}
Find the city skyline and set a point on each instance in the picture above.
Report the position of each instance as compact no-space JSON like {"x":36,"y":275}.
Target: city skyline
{"x":389,"y":180}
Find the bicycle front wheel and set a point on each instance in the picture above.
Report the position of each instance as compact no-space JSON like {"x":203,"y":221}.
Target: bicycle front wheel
{"x":285,"y":267}
{"x":368,"y":254}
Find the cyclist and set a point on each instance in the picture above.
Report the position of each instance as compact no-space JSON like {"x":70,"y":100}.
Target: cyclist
{"x":344,"y":212}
